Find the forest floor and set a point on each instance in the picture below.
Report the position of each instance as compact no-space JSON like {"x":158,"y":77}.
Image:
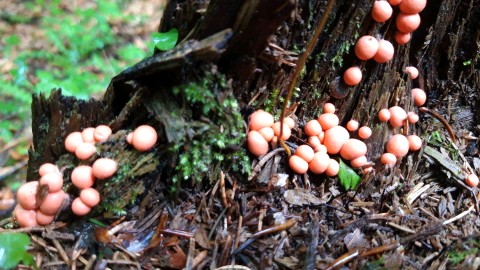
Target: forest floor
{"x":421,"y":216}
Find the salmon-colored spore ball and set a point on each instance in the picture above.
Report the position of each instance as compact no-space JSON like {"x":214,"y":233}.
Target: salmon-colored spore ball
{"x":368,"y":169}
{"x":471,"y":180}
{"x":82,"y":177}
{"x":353,"y":148}
{"x":412,"y":117}
{"x":312,"y":128}
{"x":388,"y":159}
{"x":298,"y":164}
{"x":53,"y":180}
{"x":79,"y":208}
{"x":412,"y":6}
{"x":333,"y":168}
{"x":267,"y":133}
{"x":52,"y":202}
{"x":25,"y":218}
{"x":104,"y":168}
{"x":352,"y":76}
{"x":366,"y":47}
{"x":414,"y":142}
{"x":384,"y":115}
{"x":397,"y":116}
{"x":402,"y":38}
{"x":381,"y":11}
{"x":260,"y":119}
{"x":144,"y":138}
{"x":335,"y":138}
{"x":26,"y":195}
{"x":73,"y":140}
{"x":314,"y":141}
{"x":256,"y":143}
{"x":394,"y":2}
{"x":385,"y":51}
{"x":419,"y":96}
{"x":364,"y":132}
{"x":358,"y":162}
{"x":274,"y":141}
{"x":129,"y":137}
{"x":412,"y":72}
{"x":101,"y":133}
{"x":87,"y":135}
{"x":328,"y":120}
{"x":319,"y":163}
{"x":44,"y":219}
{"x":304,"y":151}
{"x":90,"y":197}
{"x":320,"y":148}
{"x":47,"y":168}
{"x":85,"y":151}
{"x":352,"y":125}
{"x":321,"y":136}
{"x":286,"y":130}
{"x":407,"y":22}
{"x":289,"y":121}
{"x":398,"y":145}
{"x":328,"y":108}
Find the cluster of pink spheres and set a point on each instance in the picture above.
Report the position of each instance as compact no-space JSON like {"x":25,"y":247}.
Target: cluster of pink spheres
{"x":398,"y":145}
{"x":382,"y":51}
{"x":325,"y":138}
{"x":82,"y":144}
{"x":28,"y":211}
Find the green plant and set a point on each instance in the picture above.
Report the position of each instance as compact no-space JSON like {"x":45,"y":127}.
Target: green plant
{"x":374,"y":265}
{"x":13,"y":250}
{"x":76,"y":56}
{"x":337,"y":59}
{"x":211,"y":138}
{"x":456,"y":257}
{"x":437,"y":139}
{"x":349,"y":179}
{"x":165,"y":41}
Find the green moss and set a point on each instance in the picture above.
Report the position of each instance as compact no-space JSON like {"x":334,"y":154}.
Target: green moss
{"x":270,"y":104}
{"x":216,"y":130}
{"x":456,"y":257}
{"x":376,"y":264}
{"x":337,"y":59}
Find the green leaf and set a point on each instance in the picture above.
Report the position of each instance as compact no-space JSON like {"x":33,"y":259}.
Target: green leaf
{"x":165,"y":41}
{"x":131,"y":53}
{"x":13,"y":249}
{"x":12,"y":40}
{"x":349,"y":179}
{"x":97,"y":222}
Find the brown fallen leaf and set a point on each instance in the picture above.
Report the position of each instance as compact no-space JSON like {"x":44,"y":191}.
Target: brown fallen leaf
{"x":355,"y":239}
{"x":201,"y":237}
{"x":301,"y":197}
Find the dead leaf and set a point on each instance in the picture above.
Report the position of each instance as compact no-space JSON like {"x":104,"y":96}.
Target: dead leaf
{"x":289,"y":262}
{"x":7,"y":200}
{"x":301,"y":197}
{"x":355,"y":239}
{"x":178,"y":260}
{"x":201,"y":237}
